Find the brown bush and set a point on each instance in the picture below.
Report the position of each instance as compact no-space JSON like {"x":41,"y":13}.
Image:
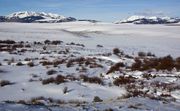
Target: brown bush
{"x":79,"y":60}
{"x":109,"y":109}
{"x":137,"y":65}
{"x":95,"y":80}
{"x":69,"y":63}
{"x":48,"y":81}
{"x":57,"y":80}
{"x":124,"y":80}
{"x":19,"y":64}
{"x":28,"y":46}
{"x":163,"y":63}
{"x":166,"y":63}
{"x":7,"y":48}
{"x":7,"y":42}
{"x":116,"y":51}
{"x":47,"y":42}
{"x":149,"y":64}
{"x":27,"y":59}
{"x":97,"y":99}
{"x":177,"y":63}
{"x":60,"y":79}
{"x":151,"y":54}
{"x":165,"y":86}
{"x":17,"y":46}
{"x":51,"y":72}
{"x":55,"y":62}
{"x":30,"y":64}
{"x":99,"y":45}
{"x":56,"y":42}
{"x":115,"y":67}
{"x":45,"y":63}
{"x":142,"y":54}
{"x":148,"y":76}
{"x":5,"y":82}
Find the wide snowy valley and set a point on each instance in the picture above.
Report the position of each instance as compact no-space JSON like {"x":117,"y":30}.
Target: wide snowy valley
{"x":89,"y":66}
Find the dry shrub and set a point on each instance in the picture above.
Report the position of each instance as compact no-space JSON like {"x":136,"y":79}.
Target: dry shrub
{"x":37,"y":101}
{"x":7,"y":42}
{"x":5,"y":83}
{"x":17,"y":46}
{"x":30,"y":64}
{"x":151,"y":54}
{"x":115,"y":67}
{"x":28,"y":46}
{"x":177,"y":63}
{"x":165,"y":86}
{"x":91,"y":62}
{"x":135,"y":93}
{"x":55,"y":42}
{"x":109,"y":109}
{"x":142,"y":54}
{"x":60,"y":79}
{"x":163,"y":63}
{"x":95,"y":80}
{"x":79,"y":60}
{"x":116,"y":51}
{"x":48,"y":81}
{"x":19,"y":64}
{"x":27,"y":59}
{"x":137,"y":65}
{"x":99,"y":45}
{"x":57,"y":80}
{"x":55,"y":62}
{"x":82,"y":45}
{"x":128,"y":56}
{"x":7,"y":48}
{"x":148,"y":76}
{"x":51,"y":72}
{"x":124,"y":80}
{"x":47,"y":42}
{"x":97,"y":99}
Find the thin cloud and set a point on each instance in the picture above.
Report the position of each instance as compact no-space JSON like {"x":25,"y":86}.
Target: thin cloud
{"x":151,"y":13}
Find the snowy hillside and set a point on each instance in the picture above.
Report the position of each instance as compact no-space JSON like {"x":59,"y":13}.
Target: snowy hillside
{"x":148,"y":20}
{"x":42,"y":14}
{"x":29,"y":17}
{"x":85,"y":66}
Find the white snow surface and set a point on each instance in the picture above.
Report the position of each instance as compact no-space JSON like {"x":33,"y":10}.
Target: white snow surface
{"x":159,"y":39}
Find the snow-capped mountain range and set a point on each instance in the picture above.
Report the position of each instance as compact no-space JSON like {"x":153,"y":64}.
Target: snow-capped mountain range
{"x":149,"y":20}
{"x":41,"y":17}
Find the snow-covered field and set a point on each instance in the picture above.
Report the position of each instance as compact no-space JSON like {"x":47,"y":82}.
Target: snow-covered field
{"x":159,"y":39}
{"x":73,"y":69}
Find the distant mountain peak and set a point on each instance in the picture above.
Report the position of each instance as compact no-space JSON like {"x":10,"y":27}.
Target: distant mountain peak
{"x":24,"y":14}
{"x":40,"y":17}
{"x":136,"y":19}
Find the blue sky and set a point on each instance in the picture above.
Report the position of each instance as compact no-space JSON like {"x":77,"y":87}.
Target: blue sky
{"x":104,"y":10}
